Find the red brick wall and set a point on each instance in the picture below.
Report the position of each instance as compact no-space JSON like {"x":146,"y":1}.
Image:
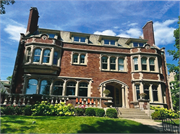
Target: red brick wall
{"x":136,"y":75}
{"x":148,"y":50}
{"x":150,"y":76}
{"x":134,"y":50}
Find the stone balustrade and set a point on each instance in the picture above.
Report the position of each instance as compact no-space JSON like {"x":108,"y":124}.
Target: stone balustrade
{"x":25,"y":99}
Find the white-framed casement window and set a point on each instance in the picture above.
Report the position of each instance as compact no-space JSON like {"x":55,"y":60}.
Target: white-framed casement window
{"x":112,"y":63}
{"x":28,"y":54}
{"x":46,"y":56}
{"x":146,"y":90}
{"x":155,"y":92}
{"x":31,"y":86}
{"x":70,"y":88}
{"x":104,"y":62}
{"x":57,"y":88}
{"x":83,"y":89}
{"x":79,"y":58}
{"x":121,"y":64}
{"x":109,"y":42}
{"x":135,"y":60}
{"x":37,"y":55}
{"x":144,"y":63}
{"x":151,"y":64}
{"x":137,"y":91}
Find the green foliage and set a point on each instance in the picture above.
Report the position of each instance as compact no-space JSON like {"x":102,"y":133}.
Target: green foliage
{"x":164,"y":112}
{"x":156,"y":115}
{"x":80,"y":110}
{"x":172,"y":67}
{"x":111,"y":112}
{"x":18,"y":110}
{"x":45,"y":108}
{"x":8,"y":110}
{"x":106,"y":92}
{"x":5,"y":2}
{"x":9,"y":78}
{"x":99,"y":112}
{"x":90,"y":111}
{"x":27,"y":110}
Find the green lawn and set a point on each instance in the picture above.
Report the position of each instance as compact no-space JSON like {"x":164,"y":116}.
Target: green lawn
{"x":70,"y":124}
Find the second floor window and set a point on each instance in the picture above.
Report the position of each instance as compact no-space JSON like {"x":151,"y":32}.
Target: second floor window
{"x":28,"y":54}
{"x":113,"y":63}
{"x":121,"y":64}
{"x":55,"y":59}
{"x":104,"y":62}
{"x":75,"y":58}
{"x":46,"y":56}
{"x":151,"y":64}
{"x":135,"y":63}
{"x":82,"y":58}
{"x":37,"y":54}
{"x":144,"y":63}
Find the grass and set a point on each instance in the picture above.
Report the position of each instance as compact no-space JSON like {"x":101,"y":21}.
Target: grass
{"x":177,"y":121}
{"x":70,"y":124}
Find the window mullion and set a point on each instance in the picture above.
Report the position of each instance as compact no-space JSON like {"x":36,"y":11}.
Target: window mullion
{"x":41,"y":55}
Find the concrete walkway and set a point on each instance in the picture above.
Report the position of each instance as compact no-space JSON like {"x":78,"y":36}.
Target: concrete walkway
{"x":149,"y":122}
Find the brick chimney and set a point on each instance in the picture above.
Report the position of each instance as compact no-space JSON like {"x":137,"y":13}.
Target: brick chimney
{"x":148,"y":33}
{"x":33,"y":20}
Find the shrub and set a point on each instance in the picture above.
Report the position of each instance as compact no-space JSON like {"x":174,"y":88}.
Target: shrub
{"x":9,"y":110}
{"x":90,"y":112}
{"x":27,"y":110}
{"x":111,"y":112}
{"x":18,"y":110}
{"x":80,"y":110}
{"x":156,"y":115}
{"x":99,"y":112}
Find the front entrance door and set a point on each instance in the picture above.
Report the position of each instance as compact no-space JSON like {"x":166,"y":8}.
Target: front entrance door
{"x":116,"y":94}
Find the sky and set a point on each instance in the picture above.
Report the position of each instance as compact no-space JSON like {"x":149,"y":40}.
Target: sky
{"x":110,"y":17}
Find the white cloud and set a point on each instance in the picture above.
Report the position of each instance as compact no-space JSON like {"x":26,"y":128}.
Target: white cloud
{"x":106,"y":32}
{"x":14,"y":31}
{"x":132,"y":32}
{"x":132,"y":24}
{"x":163,"y":32}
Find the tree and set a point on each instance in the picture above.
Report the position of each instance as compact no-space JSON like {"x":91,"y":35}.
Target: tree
{"x":5,"y":2}
{"x":176,"y":84}
{"x":9,"y":78}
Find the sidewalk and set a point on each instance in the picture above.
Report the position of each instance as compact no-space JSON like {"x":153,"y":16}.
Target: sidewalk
{"x":149,"y":122}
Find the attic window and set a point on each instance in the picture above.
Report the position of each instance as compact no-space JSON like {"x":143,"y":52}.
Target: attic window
{"x":51,"y":35}
{"x":136,"y":44}
{"x":79,"y":39}
{"x":109,"y":42}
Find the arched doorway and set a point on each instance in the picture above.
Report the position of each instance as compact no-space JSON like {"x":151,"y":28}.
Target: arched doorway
{"x":116,"y":93}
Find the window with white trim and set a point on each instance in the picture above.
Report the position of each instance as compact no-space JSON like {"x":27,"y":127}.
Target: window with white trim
{"x":155,"y":92}
{"x":57,"y":88}
{"x":137,"y":91}
{"x":28,"y":54}
{"x":79,"y":39}
{"x":83,"y":88}
{"x":31,"y":86}
{"x":70,"y":88}
{"x":113,"y":63}
{"x":45,"y":87}
{"x":37,"y":54}
{"x":135,"y":60}
{"x":55,"y":58}
{"x":46,"y":56}
{"x":79,"y":58}
{"x":146,"y":90}
{"x":144,"y":63}
{"x":104,"y":62}
{"x":121,"y":64}
{"x":151,"y":64}
{"x":136,"y":44}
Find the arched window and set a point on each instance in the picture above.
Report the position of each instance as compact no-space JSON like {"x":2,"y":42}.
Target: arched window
{"x":82,"y":58}
{"x":32,"y":86}
{"x":37,"y":54}
{"x":135,"y":63}
{"x":28,"y":54}
{"x":151,"y":64}
{"x":75,"y":58}
{"x":55,"y":59}
{"x":155,"y":93}
{"x":45,"y":86}
{"x":83,"y":87}
{"x":121,"y":64}
{"x":144,"y":63}
{"x":46,"y":56}
{"x":113,"y":63}
{"x":57,"y":88}
{"x":71,"y":86}
{"x":146,"y":90}
{"x":104,"y":62}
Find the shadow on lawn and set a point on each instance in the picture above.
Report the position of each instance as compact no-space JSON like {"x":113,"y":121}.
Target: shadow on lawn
{"x":121,"y":126}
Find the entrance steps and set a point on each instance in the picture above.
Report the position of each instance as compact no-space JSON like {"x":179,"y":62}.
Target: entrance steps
{"x":131,"y":113}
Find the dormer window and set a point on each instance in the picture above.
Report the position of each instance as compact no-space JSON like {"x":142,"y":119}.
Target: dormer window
{"x":136,"y":44}
{"x":79,"y":39}
{"x":109,"y":42}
